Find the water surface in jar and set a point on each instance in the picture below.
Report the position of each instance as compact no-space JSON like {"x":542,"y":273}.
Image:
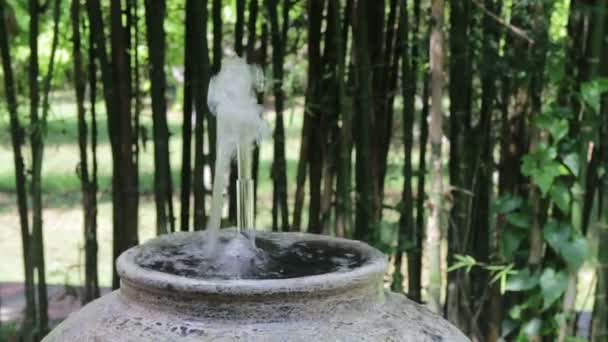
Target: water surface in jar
{"x":243,"y":256}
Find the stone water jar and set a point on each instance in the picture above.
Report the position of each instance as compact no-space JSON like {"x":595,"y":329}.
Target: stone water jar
{"x":349,"y":305}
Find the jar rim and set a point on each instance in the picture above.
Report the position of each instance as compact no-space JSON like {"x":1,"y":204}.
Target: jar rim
{"x":370,"y":272}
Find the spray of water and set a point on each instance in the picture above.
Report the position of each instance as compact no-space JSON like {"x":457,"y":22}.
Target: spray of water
{"x":232,"y":99}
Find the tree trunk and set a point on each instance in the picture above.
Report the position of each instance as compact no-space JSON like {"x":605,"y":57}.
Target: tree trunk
{"x":379,"y":135}
{"x":514,"y":132}
{"x":199,"y":86}
{"x":189,"y":67}
{"x":97,"y":51}
{"x":116,"y":97}
{"x":217,"y":35}
{"x":434,"y":228}
{"x":393,"y":43}
{"x":89,"y":191}
{"x":540,"y":28}
{"x":132,"y":39}
{"x":279,"y":166}
{"x":38,"y":125}
{"x":406,"y":226}
{"x":36,"y":152}
{"x":93,"y":101}
{"x":344,"y":158}
{"x":313,"y":110}
{"x":301,"y":174}
{"x":215,"y":68}
{"x":414,"y":256}
{"x":239,"y":27}
{"x":94,"y":183}
{"x":17,"y":140}
{"x":593,"y":66}
{"x":252,"y":32}
{"x":480,"y":224}
{"x":365,"y":211}
{"x":124,"y":180}
{"x":513,"y":129}
{"x":459,"y":231}
{"x":301,"y":171}
{"x":385,"y":85}
{"x":155,"y":31}
{"x":333,"y":106}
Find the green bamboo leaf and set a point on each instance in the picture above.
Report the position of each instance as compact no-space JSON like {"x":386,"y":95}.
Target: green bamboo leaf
{"x":462,"y":261}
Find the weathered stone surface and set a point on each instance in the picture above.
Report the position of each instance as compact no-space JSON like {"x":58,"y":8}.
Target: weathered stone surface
{"x":338,"y":306}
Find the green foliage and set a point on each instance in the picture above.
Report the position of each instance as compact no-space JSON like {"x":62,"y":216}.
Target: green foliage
{"x":508,"y":208}
{"x":518,"y":219}
{"x":511,"y":240}
{"x":498,"y":272}
{"x":542,"y":167}
{"x":553,"y":284}
{"x":572,"y":161}
{"x":556,"y":167}
{"x":567,"y":243}
{"x":553,"y":167}
{"x":507,"y":203}
{"x":522,"y":280}
{"x":501,"y":273}
{"x":561,"y":196}
{"x":592,"y":91}
{"x":558,"y":127}
{"x":463,"y":261}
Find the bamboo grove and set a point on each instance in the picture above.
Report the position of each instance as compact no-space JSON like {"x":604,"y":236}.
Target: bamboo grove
{"x":492,"y":116}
